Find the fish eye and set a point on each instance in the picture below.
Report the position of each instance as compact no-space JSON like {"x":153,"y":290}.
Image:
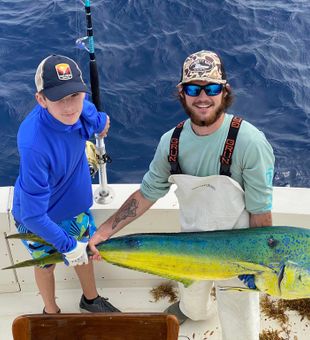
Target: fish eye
{"x":272,"y":242}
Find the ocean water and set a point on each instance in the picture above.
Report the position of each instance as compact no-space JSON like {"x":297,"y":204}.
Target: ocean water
{"x":140,"y":47}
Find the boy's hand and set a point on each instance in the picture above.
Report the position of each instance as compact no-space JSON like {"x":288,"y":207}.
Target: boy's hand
{"x":104,"y":132}
{"x":77,"y":256}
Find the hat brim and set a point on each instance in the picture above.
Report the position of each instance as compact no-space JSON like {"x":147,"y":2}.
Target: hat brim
{"x":61,"y":91}
{"x":209,"y":80}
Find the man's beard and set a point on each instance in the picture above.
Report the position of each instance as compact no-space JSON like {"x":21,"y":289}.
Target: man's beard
{"x":209,"y":120}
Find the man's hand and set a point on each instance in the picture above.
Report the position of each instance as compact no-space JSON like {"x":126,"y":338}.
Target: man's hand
{"x":77,"y":256}
{"x":97,"y":238}
{"x":104,"y":132}
{"x":135,"y":205}
{"x":261,"y":220}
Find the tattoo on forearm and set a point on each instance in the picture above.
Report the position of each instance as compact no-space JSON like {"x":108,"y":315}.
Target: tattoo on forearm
{"x":129,"y":210}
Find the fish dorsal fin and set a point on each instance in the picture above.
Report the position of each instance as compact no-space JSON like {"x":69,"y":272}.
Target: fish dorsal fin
{"x":186,"y":282}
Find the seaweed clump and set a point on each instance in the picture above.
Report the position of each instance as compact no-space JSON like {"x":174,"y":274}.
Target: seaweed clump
{"x":301,"y":306}
{"x":165,"y":290}
{"x":276,"y":309}
{"x":270,"y":335}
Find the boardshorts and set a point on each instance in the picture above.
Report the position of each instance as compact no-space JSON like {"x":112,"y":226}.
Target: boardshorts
{"x":80,"y":227}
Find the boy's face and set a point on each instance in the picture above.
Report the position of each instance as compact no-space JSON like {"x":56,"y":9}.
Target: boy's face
{"x":67,"y":110}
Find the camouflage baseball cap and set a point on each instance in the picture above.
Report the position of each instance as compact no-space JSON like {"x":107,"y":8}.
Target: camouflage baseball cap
{"x":203,"y":65}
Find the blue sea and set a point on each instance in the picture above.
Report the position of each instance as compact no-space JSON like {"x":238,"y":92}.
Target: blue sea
{"x":140,"y":47}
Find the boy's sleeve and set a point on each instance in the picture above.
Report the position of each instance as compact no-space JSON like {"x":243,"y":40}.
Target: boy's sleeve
{"x":34,"y":201}
{"x":93,"y":121}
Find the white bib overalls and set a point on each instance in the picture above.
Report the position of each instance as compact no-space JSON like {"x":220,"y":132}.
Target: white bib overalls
{"x":216,"y":203}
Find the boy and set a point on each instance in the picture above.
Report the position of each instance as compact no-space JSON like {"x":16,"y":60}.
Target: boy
{"x":53,"y":194}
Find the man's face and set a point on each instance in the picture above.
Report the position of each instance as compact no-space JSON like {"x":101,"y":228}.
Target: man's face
{"x":204,"y":110}
{"x":67,"y":110}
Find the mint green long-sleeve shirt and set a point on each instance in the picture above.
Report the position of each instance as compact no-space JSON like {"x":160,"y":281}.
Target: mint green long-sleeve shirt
{"x":252,"y":162}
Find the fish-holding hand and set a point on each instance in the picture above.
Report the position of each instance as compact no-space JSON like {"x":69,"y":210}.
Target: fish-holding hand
{"x":76,"y":256}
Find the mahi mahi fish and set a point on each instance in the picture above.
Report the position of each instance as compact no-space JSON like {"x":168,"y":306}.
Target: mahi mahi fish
{"x":278,"y":257}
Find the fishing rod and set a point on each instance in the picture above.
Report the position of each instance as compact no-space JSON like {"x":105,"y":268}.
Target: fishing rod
{"x":104,"y":194}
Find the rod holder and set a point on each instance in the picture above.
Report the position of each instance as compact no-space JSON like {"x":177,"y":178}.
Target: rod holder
{"x":104,"y":194}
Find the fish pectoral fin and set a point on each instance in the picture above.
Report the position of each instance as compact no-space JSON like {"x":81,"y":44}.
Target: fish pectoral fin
{"x":239,"y":289}
{"x":252,"y":268}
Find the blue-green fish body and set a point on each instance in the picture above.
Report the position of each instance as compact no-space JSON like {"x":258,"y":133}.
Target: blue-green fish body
{"x":278,"y":257}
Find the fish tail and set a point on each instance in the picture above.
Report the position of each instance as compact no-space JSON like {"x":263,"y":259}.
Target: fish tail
{"x":28,"y":237}
{"x":49,"y":259}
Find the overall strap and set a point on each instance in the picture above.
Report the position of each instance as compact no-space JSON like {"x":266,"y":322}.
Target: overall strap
{"x":174,"y":150}
{"x":229,"y":146}
{"x":225,"y":158}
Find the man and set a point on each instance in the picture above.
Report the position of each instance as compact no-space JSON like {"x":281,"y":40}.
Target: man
{"x":223,"y":169}
{"x":52,"y":194}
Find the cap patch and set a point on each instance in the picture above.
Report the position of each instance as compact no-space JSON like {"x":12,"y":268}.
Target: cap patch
{"x":201,"y":66}
{"x":63,"y":71}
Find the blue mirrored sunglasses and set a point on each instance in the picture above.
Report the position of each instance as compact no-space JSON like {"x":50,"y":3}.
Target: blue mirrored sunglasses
{"x":193,"y":90}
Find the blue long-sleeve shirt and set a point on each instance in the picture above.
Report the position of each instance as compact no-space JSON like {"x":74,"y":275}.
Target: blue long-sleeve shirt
{"x":54,"y":182}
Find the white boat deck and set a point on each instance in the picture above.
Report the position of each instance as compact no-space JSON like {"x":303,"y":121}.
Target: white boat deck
{"x":126,"y":289}
{"x":135,"y":299}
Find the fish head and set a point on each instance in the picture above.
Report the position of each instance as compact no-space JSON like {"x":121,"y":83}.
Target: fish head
{"x":294,"y":282}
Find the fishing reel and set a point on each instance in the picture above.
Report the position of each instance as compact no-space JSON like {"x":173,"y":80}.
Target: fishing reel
{"x":92,"y":158}
{"x":95,"y":158}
